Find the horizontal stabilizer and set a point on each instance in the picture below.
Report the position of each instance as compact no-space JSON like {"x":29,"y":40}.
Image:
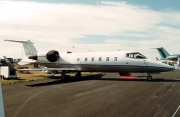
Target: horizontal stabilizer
{"x":16,"y":41}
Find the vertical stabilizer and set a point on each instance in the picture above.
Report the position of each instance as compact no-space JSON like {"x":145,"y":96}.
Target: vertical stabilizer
{"x":28,"y":47}
{"x":1,"y":103}
{"x":163,"y":52}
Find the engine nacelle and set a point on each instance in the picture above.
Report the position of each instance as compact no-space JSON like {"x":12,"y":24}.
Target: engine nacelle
{"x":51,"y":56}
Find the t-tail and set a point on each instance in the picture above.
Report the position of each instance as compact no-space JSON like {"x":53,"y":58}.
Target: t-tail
{"x":163,"y":52}
{"x":29,"y":48}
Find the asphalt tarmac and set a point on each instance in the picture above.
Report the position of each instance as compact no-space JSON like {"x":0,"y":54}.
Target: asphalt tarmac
{"x":101,"y":95}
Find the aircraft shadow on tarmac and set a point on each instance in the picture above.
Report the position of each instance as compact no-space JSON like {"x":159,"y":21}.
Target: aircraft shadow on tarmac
{"x":57,"y":80}
{"x":141,"y":80}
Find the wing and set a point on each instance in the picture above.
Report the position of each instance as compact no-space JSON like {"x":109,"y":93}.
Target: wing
{"x":41,"y":69}
{"x":50,"y":69}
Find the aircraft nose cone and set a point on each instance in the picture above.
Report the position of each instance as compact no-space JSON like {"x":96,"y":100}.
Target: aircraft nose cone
{"x":171,"y":68}
{"x":157,"y":66}
{"x":168,"y":67}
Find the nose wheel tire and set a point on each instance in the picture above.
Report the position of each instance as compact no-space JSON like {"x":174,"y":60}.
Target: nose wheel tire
{"x":149,"y":78}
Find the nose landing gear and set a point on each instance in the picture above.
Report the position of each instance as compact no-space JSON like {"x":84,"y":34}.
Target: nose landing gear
{"x":149,"y":77}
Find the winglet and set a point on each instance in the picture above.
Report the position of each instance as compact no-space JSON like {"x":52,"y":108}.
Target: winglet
{"x":1,"y":103}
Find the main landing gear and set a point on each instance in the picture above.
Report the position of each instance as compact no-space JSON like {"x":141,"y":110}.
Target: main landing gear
{"x":64,"y":76}
{"x":78,"y":75}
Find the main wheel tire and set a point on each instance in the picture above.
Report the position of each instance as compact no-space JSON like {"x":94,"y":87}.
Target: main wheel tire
{"x":149,"y":78}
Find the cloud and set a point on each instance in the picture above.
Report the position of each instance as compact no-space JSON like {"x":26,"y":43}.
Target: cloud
{"x":59,"y":25}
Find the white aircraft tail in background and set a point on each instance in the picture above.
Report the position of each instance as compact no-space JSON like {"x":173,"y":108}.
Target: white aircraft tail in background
{"x":166,"y":57}
{"x":28,"y":47}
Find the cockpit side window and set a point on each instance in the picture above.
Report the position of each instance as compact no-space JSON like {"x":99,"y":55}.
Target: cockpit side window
{"x":135,"y":55}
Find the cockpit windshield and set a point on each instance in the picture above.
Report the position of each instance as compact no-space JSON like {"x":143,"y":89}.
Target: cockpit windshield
{"x":135,"y":55}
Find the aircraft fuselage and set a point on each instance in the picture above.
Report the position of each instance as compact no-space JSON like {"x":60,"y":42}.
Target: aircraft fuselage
{"x":115,"y":61}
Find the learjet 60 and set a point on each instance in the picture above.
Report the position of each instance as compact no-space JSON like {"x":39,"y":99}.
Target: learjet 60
{"x":123,"y":62}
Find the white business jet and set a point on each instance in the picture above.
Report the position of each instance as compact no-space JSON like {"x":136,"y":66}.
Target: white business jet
{"x":124,"y":62}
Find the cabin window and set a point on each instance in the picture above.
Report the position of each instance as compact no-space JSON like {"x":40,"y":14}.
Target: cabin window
{"x":107,"y":58}
{"x":78,"y":59}
{"x":92,"y":59}
{"x":115,"y":58}
{"x":100,"y":58}
{"x":85,"y":59}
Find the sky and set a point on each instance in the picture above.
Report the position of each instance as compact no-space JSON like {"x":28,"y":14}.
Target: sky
{"x":90,"y":25}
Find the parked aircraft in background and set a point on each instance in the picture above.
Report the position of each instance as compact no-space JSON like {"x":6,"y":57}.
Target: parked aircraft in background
{"x":167,"y":58}
{"x":124,"y":62}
